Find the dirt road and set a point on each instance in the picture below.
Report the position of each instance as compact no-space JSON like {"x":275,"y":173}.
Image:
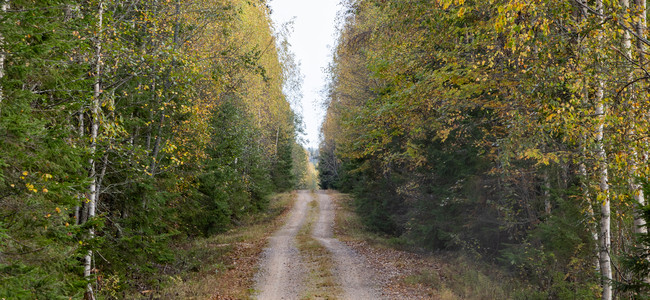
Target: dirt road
{"x":282,"y":273}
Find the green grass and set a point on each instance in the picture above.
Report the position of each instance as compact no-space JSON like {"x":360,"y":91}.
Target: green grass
{"x":321,"y":283}
{"x":457,"y":276}
{"x":461,"y":278}
{"x":222,"y":264}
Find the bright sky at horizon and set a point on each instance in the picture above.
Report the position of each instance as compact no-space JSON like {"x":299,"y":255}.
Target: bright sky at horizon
{"x":311,"y":41}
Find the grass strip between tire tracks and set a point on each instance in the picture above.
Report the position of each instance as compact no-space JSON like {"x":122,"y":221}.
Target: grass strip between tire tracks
{"x":321,"y":282}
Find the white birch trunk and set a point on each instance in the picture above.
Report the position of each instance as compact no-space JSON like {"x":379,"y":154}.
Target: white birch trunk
{"x":635,"y":188}
{"x":4,"y":7}
{"x":582,"y":12}
{"x":93,"y":192}
{"x":639,"y":223}
{"x":603,"y":195}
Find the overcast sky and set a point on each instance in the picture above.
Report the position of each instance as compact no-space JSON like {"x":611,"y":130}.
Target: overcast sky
{"x":311,"y":42}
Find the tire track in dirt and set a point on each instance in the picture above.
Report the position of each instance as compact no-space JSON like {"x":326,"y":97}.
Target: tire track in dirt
{"x":281,"y":273}
{"x":356,"y":280}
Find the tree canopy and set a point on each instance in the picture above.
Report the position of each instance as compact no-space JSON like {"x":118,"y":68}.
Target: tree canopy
{"x":127,"y":125}
{"x":514,"y":130}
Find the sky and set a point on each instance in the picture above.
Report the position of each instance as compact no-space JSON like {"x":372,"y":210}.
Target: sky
{"x":312,"y":40}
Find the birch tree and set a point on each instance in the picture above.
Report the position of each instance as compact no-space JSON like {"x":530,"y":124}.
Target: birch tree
{"x":603,"y":197}
{"x":93,"y":191}
{"x":3,"y":7}
{"x":641,"y":18}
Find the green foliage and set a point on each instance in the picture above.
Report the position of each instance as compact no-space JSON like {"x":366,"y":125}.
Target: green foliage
{"x":234,"y":182}
{"x":557,"y":255}
{"x":41,"y":166}
{"x":303,"y":171}
{"x":193,"y":135}
{"x":281,"y":174}
{"x":328,"y":168}
{"x":637,"y":262}
{"x":469,"y":125}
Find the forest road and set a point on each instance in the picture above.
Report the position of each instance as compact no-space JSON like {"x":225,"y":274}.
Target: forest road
{"x":282,"y":271}
{"x":356,"y":280}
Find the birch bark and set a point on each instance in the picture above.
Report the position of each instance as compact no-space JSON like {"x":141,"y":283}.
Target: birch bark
{"x":4,"y":6}
{"x":93,"y":191}
{"x":639,"y":223}
{"x":603,"y":195}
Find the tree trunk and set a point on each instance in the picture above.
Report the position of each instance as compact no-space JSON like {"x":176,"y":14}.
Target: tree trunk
{"x":632,"y":99}
{"x":277,"y":136}
{"x":603,"y":194}
{"x":603,"y":197}
{"x":547,"y":194}
{"x":4,"y":7}
{"x":94,"y":193}
{"x":639,"y":223}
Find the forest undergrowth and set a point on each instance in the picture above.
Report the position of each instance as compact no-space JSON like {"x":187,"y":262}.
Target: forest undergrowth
{"x":425,"y":273}
{"x":516,"y":132}
{"x":221,"y":266}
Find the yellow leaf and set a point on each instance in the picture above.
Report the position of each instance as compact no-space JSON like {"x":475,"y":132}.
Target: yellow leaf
{"x":461,"y":12}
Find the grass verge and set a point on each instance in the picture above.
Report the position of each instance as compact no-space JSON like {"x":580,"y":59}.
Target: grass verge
{"x":223,"y":266}
{"x":320,"y":282}
{"x":451,"y":275}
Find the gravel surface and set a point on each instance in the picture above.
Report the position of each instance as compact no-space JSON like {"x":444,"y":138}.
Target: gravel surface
{"x":391,"y":268}
{"x":357,"y":281}
{"x":281,"y":269}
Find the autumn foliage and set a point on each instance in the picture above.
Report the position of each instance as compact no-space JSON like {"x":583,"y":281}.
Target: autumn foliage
{"x":505,"y":129}
{"x":130,"y":125}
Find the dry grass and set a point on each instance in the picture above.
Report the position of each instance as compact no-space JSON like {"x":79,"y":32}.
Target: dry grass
{"x":223,"y":266}
{"x":321,"y":283}
{"x":347,"y":225}
{"x":411,"y":274}
{"x":460,"y":278}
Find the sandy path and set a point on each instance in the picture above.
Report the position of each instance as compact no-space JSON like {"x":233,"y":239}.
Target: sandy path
{"x":350,"y":268}
{"x":281,"y":272}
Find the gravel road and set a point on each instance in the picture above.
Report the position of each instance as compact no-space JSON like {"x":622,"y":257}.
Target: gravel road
{"x":350,"y":269}
{"x":282,"y":273}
